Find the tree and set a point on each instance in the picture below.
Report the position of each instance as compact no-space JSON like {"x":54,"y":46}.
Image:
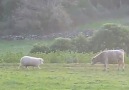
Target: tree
{"x":7,"y":8}
{"x":1,"y":10}
{"x":80,"y":43}
{"x":109,"y":4}
{"x":41,"y":17}
{"x":111,"y":36}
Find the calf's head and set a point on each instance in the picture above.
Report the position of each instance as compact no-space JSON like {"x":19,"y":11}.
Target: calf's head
{"x":93,"y":61}
{"x":41,"y":60}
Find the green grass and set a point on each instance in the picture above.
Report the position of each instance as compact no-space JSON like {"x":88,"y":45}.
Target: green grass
{"x":63,"y":77}
{"x":15,"y":46}
{"x":12,"y":51}
{"x":98,"y":24}
{"x":59,"y":76}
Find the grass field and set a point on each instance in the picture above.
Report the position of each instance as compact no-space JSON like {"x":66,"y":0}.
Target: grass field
{"x":98,"y":24}
{"x":15,"y":46}
{"x":63,"y":77}
{"x":59,"y":76}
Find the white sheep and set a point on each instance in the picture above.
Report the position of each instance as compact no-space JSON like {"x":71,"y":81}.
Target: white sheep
{"x":30,"y":61}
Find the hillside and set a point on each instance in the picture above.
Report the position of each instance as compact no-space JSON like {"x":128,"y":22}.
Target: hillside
{"x":46,"y":16}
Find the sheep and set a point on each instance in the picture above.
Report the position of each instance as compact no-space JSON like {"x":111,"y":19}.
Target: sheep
{"x":30,"y":61}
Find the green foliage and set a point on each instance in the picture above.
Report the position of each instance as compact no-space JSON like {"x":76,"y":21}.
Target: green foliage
{"x":59,"y":17}
{"x":64,"y":57}
{"x":65,"y":50}
{"x":111,"y":36}
{"x":8,"y":7}
{"x":61,"y":44}
{"x":40,"y":48}
{"x":16,"y":46}
{"x":51,"y":57}
{"x":80,"y":43}
{"x":10,"y":57}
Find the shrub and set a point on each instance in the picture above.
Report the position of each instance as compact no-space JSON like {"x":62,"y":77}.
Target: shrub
{"x":10,"y":57}
{"x":40,"y":48}
{"x":64,"y":57}
{"x":52,"y":57}
{"x":61,"y":44}
{"x":111,"y":36}
{"x":80,"y":43}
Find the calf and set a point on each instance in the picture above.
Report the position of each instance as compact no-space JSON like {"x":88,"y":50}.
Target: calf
{"x":107,"y":56}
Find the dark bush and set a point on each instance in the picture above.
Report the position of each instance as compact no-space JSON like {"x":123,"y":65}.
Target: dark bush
{"x":61,"y":44}
{"x":111,"y":36}
{"x":40,"y":48}
{"x":80,"y":43}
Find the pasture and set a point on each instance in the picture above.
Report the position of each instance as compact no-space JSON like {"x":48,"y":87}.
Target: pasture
{"x":15,"y":46}
{"x":57,"y":76}
{"x":63,"y":77}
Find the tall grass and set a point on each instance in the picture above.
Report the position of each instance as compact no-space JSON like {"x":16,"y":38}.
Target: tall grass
{"x":52,"y":57}
{"x":12,"y":51}
{"x":10,"y":57}
{"x":65,"y":57}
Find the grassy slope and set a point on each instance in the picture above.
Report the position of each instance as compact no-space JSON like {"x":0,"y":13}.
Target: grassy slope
{"x":63,"y":77}
{"x":98,"y":24}
{"x":23,"y":46}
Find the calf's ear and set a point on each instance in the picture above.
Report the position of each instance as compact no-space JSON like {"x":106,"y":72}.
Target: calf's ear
{"x":41,"y":60}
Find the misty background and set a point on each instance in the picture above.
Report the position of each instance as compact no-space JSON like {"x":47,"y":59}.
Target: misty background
{"x":43,"y":17}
